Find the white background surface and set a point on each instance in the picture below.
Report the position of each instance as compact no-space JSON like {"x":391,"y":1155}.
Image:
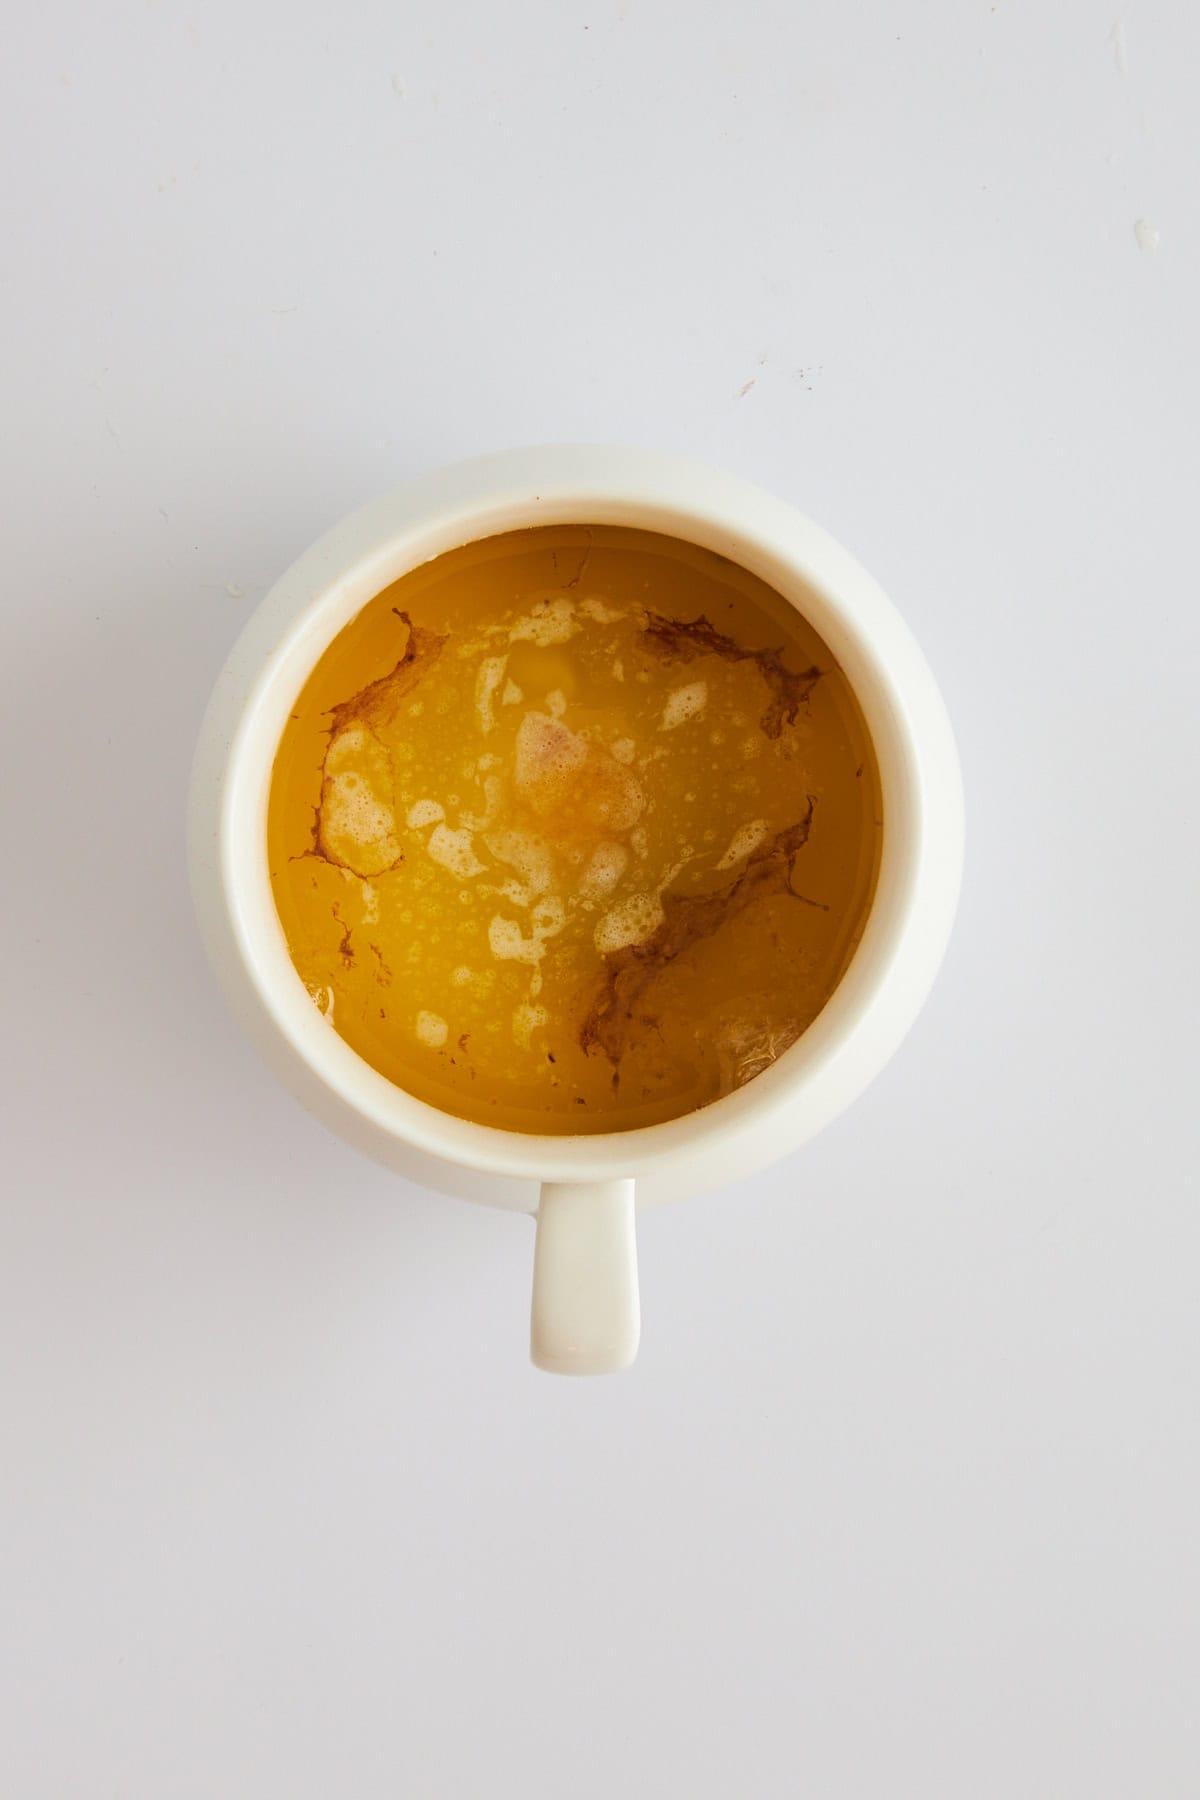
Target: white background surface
{"x":901,"y":1496}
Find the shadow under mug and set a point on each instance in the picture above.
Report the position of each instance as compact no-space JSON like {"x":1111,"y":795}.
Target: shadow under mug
{"x":583,"y":1189}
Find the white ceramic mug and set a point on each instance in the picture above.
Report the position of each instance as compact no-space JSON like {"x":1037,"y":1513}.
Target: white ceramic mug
{"x":582,"y":1189}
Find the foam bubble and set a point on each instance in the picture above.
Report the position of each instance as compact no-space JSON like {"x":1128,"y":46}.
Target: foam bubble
{"x":745,"y":839}
{"x":491,"y":674}
{"x":525,"y":852}
{"x":432,"y":1029}
{"x":548,"y":916}
{"x":508,"y":943}
{"x":608,"y":863}
{"x":548,"y":754}
{"x":684,"y":703}
{"x":493,"y":795}
{"x":631,"y":921}
{"x":600,"y":610}
{"x":357,"y":826}
{"x":526,"y":1020}
{"x":551,"y":622}
{"x":455,"y":851}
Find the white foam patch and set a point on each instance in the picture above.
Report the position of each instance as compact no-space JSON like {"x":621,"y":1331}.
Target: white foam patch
{"x":370,"y":900}
{"x":547,"y":752}
{"x":624,"y":750}
{"x":462,"y":976}
{"x":432,"y":1029}
{"x":492,"y":795}
{"x":512,"y":695}
{"x":552,"y":622}
{"x":556,"y":703}
{"x":455,"y":851}
{"x":684,"y":703}
{"x":745,"y":839}
{"x":525,"y":852}
{"x":631,"y":921}
{"x":508,"y":943}
{"x":357,"y":824}
{"x":608,"y":863}
{"x":425,"y":812}
{"x":559,"y":772}
{"x":491,"y":674}
{"x":350,"y":744}
{"x":600,"y":610}
{"x":526,"y":1020}
{"x":548,"y":917}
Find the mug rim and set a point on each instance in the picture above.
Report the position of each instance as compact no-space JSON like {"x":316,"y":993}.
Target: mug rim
{"x":890,"y":971}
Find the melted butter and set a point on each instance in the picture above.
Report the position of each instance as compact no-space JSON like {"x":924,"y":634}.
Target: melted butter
{"x":574,"y":829}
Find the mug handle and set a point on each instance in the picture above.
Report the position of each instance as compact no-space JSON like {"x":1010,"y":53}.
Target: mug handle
{"x":586,"y":1316}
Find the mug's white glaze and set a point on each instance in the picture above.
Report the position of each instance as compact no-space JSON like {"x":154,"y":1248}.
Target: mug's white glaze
{"x":874,"y":1004}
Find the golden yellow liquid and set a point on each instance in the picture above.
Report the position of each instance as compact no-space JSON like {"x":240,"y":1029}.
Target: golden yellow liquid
{"x":574,"y":829}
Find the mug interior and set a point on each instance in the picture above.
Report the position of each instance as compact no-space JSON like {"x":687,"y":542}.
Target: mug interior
{"x":356,"y":561}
